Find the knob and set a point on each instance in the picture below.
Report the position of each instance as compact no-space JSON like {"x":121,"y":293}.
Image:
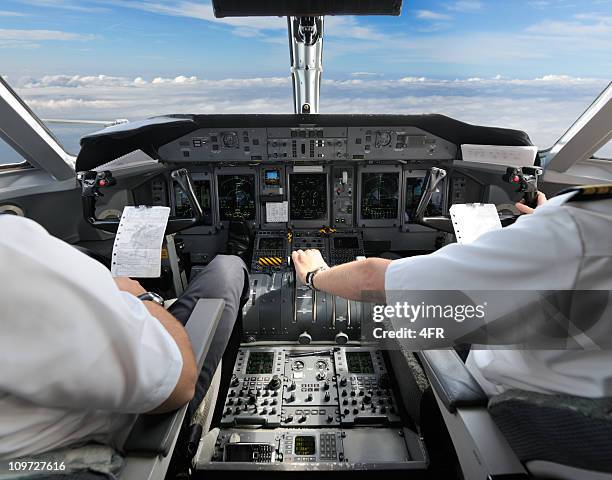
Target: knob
{"x":291,"y":386}
{"x":326,"y":386}
{"x":273,"y":411}
{"x":345,"y":402}
{"x":344,"y":393}
{"x":231,"y":393}
{"x":354,"y":402}
{"x":235,"y":382}
{"x":239,"y":401}
{"x":342,"y":338}
{"x":230,"y":402}
{"x":330,"y":418}
{"x":304,"y":338}
{"x":275,"y":383}
{"x":343,"y":381}
{"x":367,"y":399}
{"x":346,"y":411}
{"x":321,"y":375}
{"x":303,"y":418}
{"x":292,"y":397}
{"x":326,"y":397}
{"x":289,"y":419}
{"x":228,"y":411}
{"x":309,"y":397}
{"x":252,"y":399}
{"x":264,"y":411}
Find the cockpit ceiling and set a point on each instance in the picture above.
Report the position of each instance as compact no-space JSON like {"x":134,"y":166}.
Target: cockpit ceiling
{"x":149,"y":135}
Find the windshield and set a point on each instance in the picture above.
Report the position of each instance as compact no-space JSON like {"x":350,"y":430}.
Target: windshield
{"x":532,"y":65}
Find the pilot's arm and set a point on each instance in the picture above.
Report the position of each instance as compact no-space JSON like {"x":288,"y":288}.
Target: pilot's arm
{"x":72,"y":339}
{"x":506,"y":258}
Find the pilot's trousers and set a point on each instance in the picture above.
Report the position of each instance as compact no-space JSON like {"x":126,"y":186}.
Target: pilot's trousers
{"x":225,"y":277}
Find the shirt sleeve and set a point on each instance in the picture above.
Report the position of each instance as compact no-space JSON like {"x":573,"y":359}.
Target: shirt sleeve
{"x":70,"y":339}
{"x":540,"y":251}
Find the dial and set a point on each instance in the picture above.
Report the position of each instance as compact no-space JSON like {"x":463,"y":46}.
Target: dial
{"x":383,"y":139}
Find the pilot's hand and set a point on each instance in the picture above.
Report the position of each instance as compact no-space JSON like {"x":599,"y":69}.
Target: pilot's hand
{"x":126,"y":284}
{"x":540,"y":200}
{"x":307,"y":261}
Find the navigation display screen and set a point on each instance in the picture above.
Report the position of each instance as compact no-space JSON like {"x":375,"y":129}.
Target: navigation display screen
{"x":236,"y":197}
{"x":379,"y":195}
{"x":308,"y":194}
{"x":260,"y":363}
{"x":359,"y":362}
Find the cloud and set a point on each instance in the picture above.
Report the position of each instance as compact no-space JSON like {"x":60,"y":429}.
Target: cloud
{"x":14,"y":38}
{"x":75,"y":6}
{"x":7,"y":13}
{"x":464,"y":6}
{"x":430,"y":15}
{"x":366,"y":74}
{"x":544,"y":106}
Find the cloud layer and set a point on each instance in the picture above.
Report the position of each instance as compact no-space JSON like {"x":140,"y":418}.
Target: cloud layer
{"x":544,"y":107}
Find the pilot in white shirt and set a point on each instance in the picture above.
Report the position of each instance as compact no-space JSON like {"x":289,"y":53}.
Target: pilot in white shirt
{"x":81,"y":354}
{"x":564,"y":245}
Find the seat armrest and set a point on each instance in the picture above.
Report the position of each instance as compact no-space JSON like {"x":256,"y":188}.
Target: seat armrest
{"x":451,"y":380}
{"x":155,"y":434}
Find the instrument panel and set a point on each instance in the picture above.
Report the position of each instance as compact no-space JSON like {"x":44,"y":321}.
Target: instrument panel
{"x":314,"y":196}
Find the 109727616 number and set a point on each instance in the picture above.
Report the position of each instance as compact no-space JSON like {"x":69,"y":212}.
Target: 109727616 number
{"x":27,"y":466}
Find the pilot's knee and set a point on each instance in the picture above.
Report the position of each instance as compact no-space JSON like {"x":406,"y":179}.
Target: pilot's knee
{"x":225,"y":277}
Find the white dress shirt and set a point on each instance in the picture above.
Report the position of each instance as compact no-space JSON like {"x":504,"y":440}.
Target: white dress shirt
{"x":561,"y":246}
{"x":78,"y":357}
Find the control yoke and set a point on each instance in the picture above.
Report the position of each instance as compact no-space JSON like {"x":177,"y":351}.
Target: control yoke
{"x":93,"y":182}
{"x":525,"y":178}
{"x":433,"y":178}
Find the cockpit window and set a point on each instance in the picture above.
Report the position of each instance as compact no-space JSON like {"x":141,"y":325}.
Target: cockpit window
{"x":605,"y":152}
{"x":479,"y":62}
{"x":11,"y":159}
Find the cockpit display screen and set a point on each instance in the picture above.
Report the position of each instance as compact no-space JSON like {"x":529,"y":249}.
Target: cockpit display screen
{"x":272,"y":178}
{"x":260,"y":363}
{"x":345,"y":242}
{"x":379,"y":195}
{"x":359,"y":362}
{"x":236,"y":197}
{"x":414,"y":191}
{"x":304,"y":445}
{"x":308,"y":193}
{"x":271,"y":243}
{"x":182,"y":207}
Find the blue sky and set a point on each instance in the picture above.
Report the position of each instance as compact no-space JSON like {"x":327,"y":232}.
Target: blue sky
{"x":444,"y":38}
{"x":528,"y":64}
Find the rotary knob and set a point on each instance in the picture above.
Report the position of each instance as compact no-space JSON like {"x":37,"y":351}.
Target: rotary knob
{"x":342,"y":338}
{"x":275,"y":383}
{"x":304,"y":338}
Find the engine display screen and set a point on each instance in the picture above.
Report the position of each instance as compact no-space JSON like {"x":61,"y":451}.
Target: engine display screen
{"x":272,"y":243}
{"x":236,"y":197}
{"x":379,"y":195}
{"x":359,"y":362}
{"x":308,"y":194}
{"x":345,"y":242}
{"x":182,"y":207}
{"x":260,"y":363}
{"x":304,"y":445}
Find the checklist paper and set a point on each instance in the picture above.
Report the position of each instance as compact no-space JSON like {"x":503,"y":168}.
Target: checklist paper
{"x":471,"y":220}
{"x":138,"y":243}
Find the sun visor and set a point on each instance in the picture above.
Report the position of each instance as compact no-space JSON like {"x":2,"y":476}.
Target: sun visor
{"x":304,"y":8}
{"x":147,"y":135}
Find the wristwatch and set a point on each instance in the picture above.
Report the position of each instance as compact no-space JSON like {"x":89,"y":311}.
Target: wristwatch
{"x":310,"y":277}
{"x":152,"y":297}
